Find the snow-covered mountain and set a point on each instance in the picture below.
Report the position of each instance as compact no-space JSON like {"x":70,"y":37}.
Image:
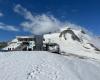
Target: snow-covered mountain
{"x":74,"y":41}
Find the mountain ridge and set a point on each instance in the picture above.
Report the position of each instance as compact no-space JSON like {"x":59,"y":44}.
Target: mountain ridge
{"x":75,"y":41}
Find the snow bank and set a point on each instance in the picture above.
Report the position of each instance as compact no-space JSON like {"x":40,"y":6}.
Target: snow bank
{"x":46,"y":66}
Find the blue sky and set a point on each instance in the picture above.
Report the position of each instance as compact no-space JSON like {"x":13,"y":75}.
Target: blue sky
{"x":85,"y":13}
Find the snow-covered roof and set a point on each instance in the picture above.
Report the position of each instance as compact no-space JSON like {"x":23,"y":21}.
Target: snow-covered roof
{"x":25,"y":36}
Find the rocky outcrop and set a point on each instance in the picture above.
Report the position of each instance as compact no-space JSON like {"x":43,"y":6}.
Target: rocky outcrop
{"x":83,"y":32}
{"x":73,"y":35}
{"x":94,"y":47}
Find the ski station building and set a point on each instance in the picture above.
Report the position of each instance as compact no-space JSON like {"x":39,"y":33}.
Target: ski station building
{"x":31,"y":43}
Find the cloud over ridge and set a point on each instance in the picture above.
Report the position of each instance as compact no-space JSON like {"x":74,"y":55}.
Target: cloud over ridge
{"x":38,"y":24}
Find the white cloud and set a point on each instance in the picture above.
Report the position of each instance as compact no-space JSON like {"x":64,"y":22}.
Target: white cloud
{"x":42,"y":24}
{"x":1,"y":14}
{"x":38,"y":24}
{"x":7,"y":27}
{"x":24,"y":12}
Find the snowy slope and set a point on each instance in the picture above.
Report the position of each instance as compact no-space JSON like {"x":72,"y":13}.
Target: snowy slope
{"x":74,"y":41}
{"x":46,"y":66}
{"x":12,"y":44}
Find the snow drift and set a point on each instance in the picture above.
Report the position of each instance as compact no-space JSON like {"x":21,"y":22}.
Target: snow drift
{"x":46,"y":66}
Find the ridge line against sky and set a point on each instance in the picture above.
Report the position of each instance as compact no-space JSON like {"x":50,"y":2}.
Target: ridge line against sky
{"x":50,"y":13}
